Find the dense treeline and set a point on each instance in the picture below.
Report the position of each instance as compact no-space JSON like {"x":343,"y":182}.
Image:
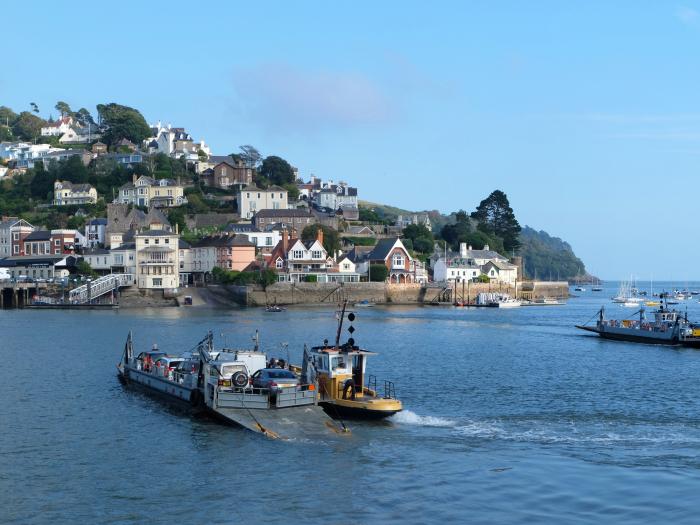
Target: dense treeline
{"x":548,"y":258}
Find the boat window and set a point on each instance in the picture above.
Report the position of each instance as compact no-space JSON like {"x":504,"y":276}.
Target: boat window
{"x":338,"y":362}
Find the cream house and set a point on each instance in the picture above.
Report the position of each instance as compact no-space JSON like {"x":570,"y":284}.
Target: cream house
{"x":146,"y":191}
{"x":252,"y":199}
{"x":157,"y":264}
{"x":66,"y":193}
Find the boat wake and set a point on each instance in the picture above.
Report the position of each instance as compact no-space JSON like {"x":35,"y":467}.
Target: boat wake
{"x":406,"y":417}
{"x":570,"y":435}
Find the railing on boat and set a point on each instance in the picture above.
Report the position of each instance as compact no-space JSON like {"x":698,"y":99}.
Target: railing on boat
{"x":389,"y":389}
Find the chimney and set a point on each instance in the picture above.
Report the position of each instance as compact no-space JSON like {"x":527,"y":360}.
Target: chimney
{"x":469,"y":247}
{"x":177,"y":228}
{"x":319,"y":235}
{"x":133,"y":178}
{"x":285,"y":241}
{"x":486,"y":247}
{"x":463,"y":249}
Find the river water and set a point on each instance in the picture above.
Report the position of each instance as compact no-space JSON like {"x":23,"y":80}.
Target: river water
{"x":511,"y":416}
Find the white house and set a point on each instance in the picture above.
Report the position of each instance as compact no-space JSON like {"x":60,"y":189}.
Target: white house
{"x":252,"y":199}
{"x":297,"y":261}
{"x":95,"y":232}
{"x":157,"y":265}
{"x":468,"y":264}
{"x":55,"y":129}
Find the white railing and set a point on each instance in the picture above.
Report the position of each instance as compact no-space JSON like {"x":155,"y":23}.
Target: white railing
{"x":99,"y":287}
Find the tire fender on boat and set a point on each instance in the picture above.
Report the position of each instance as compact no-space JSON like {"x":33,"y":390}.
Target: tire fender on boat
{"x":349,"y":390}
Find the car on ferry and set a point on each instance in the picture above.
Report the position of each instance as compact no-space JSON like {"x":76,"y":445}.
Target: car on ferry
{"x":166,"y":365}
{"x":274,"y":379}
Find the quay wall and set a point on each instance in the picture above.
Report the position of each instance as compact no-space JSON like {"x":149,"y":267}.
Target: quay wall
{"x":320,"y":293}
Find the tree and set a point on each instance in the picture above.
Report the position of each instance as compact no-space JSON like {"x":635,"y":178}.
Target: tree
{"x":63,"y":108}
{"x":457,"y":233}
{"x":84,"y":118}
{"x":420,"y":236}
{"x":177,"y":216}
{"x":83,"y":267}
{"x":331,"y":239}
{"x":122,"y":122}
{"x":73,"y":170}
{"x":276,"y":170}
{"x":27,"y":126}
{"x":42,"y":182}
{"x":249,"y":155}
{"x":496,"y":217}
{"x":7,"y":116}
{"x":34,"y":107}
{"x":378,"y":273}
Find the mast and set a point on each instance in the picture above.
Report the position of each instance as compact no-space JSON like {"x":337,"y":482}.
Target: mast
{"x":340,"y":324}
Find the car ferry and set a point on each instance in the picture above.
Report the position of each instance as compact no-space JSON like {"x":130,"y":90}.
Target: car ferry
{"x":222,"y":383}
{"x":668,"y":327}
{"x":345,"y":389}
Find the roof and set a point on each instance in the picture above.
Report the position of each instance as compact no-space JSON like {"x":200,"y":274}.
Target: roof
{"x":183,"y":245}
{"x":33,"y":260}
{"x":40,"y":235}
{"x":359,"y":253}
{"x":74,"y":187}
{"x":97,"y":222}
{"x":283,"y":213}
{"x":382,"y":249}
{"x":240,"y":227}
{"x":502,"y":265}
{"x":155,"y":233}
{"x":224,"y":240}
{"x":218,"y":159}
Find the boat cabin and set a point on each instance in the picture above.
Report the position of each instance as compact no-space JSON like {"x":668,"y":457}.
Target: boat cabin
{"x":341,"y":370}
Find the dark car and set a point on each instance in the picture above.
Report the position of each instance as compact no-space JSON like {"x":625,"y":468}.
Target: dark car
{"x":274,"y":379}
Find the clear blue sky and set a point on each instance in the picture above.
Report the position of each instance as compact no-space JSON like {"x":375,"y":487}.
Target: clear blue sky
{"x":587,"y":114}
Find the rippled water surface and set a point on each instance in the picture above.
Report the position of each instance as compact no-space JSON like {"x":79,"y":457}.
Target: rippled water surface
{"x":511,"y":416}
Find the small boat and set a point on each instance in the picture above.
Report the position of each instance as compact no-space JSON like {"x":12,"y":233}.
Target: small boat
{"x":274,"y":308}
{"x":364,"y":304}
{"x":345,"y":388}
{"x":652,"y":303}
{"x":542,"y":301}
{"x":579,"y":289}
{"x":630,"y":304}
{"x":497,"y":300}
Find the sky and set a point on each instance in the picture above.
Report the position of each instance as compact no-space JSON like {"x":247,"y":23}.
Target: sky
{"x":587,"y":114}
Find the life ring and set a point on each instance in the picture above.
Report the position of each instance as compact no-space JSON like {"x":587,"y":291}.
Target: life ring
{"x":349,"y":386}
{"x":239,"y":379}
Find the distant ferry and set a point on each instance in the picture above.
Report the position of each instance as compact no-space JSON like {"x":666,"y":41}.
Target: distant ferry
{"x":667,"y":328}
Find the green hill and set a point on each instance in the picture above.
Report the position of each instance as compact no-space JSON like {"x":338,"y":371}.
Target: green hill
{"x":546,"y":257}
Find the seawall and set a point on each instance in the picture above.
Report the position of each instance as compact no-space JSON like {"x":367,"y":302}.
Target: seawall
{"x":320,"y":293}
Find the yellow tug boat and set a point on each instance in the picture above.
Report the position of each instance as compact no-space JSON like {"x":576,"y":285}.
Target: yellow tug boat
{"x":345,"y":390}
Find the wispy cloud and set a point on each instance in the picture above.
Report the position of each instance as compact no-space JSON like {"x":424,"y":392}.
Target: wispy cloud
{"x":282,"y":96}
{"x":688,"y":15}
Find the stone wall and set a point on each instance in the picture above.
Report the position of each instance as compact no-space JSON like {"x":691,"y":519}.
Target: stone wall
{"x":320,"y":293}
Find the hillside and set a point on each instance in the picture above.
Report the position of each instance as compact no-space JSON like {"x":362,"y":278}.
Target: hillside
{"x":546,"y":257}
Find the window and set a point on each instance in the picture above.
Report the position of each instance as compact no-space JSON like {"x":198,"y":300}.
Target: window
{"x":258,"y":195}
{"x":15,"y":236}
{"x":298,"y":254}
{"x":279,"y":263}
{"x":167,"y":241}
{"x":280,"y":195}
{"x":157,"y":282}
{"x":346,"y":266}
{"x":157,"y":241}
{"x":397,"y":261}
{"x":57,"y":242}
{"x":268,"y":241}
{"x":15,"y":249}
{"x":316,"y":254}
{"x":145,"y":241}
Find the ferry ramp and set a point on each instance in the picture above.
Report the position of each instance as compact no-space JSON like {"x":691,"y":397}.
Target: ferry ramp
{"x":291,"y":423}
